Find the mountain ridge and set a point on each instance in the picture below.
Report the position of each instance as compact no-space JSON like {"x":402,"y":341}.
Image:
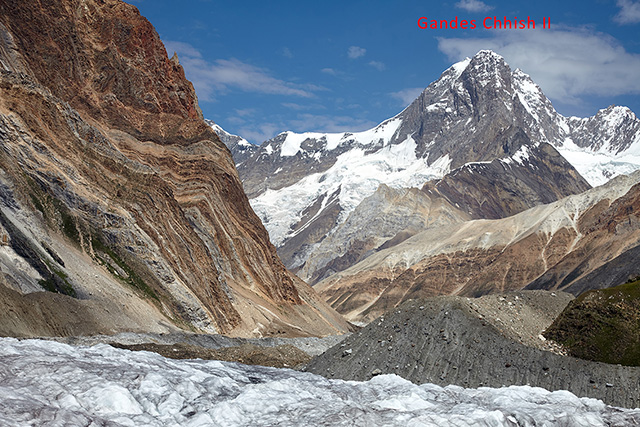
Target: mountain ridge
{"x":478,"y":111}
{"x":481,"y":143}
{"x":579,"y":131}
{"x":552,"y":247}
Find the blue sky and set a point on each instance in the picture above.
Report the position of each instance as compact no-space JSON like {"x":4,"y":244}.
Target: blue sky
{"x":263,"y":67}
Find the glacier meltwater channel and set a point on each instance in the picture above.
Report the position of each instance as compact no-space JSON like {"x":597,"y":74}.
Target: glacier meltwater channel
{"x":45,"y":383}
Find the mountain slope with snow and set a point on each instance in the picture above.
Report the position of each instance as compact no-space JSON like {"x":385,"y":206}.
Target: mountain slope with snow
{"x":551,"y":246}
{"x":603,"y":146}
{"x":305,"y":186}
{"x":240,"y":148}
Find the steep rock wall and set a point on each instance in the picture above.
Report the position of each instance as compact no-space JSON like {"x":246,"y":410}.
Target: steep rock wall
{"x":102,"y":133}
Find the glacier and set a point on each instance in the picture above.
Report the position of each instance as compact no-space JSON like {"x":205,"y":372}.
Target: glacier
{"x":46,"y":383}
{"x":354,"y":176}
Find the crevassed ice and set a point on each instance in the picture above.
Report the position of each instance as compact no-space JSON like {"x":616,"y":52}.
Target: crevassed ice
{"x":47,"y":383}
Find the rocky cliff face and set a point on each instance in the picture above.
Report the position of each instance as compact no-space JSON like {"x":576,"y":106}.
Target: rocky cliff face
{"x":103,"y":141}
{"x":107,"y":60}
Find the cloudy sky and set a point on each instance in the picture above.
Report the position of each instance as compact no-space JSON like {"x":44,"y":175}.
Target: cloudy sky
{"x":260,"y":68}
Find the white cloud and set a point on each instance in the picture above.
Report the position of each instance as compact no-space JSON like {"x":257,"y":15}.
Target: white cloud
{"x":567,"y":63}
{"x":226,"y":73}
{"x":240,"y":116}
{"x":473,"y":6}
{"x":245,"y":112}
{"x":356,"y":52}
{"x":408,"y":95}
{"x":183,"y":49}
{"x":258,"y":133}
{"x":295,"y":106}
{"x":286,"y":52}
{"x":378,"y":65}
{"x":235,"y":120}
{"x":330,"y":71}
{"x":223,"y":75}
{"x":303,"y":107}
{"x":629,"y":12}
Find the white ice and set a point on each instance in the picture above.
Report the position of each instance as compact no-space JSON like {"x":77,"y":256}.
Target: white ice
{"x":598,"y":167}
{"x":355,"y":175}
{"x":51,"y":384}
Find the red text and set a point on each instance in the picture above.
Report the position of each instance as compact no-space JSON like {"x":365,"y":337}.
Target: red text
{"x":443,"y":24}
{"x":490,"y":23}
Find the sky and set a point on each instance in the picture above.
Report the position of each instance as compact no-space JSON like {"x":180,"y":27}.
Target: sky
{"x":264,"y":67}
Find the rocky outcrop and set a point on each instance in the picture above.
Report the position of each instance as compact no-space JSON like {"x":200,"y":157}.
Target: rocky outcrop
{"x":103,"y":139}
{"x":107,"y":60}
{"x":555,"y":246}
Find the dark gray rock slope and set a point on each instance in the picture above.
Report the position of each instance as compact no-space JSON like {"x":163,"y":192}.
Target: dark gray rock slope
{"x":443,"y":341}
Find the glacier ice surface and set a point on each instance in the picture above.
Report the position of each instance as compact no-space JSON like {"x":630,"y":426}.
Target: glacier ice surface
{"x":53,"y":384}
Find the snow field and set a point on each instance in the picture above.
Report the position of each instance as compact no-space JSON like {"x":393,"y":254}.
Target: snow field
{"x":355,"y":175}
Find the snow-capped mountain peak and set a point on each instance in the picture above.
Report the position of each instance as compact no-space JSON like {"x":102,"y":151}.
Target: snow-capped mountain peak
{"x":240,"y":148}
{"x":603,"y":146}
{"x":479,"y":113}
{"x":599,"y":147}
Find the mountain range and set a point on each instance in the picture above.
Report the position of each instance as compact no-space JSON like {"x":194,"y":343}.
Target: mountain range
{"x":125,"y":220}
{"x":481,"y":143}
{"x":122,"y":202}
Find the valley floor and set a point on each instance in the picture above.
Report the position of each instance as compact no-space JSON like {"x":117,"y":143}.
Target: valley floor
{"x":278,"y":352}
